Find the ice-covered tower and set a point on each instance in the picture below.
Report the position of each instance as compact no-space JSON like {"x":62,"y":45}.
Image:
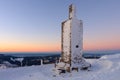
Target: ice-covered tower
{"x":72,"y":39}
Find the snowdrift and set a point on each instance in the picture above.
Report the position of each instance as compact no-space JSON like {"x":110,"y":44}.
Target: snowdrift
{"x":105,"y":68}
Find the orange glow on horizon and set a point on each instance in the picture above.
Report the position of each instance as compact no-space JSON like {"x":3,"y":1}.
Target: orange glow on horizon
{"x":29,"y":47}
{"x":102,"y":45}
{"x":56,"y":46}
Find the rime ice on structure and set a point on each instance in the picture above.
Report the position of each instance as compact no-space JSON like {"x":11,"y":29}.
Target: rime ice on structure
{"x":72,"y":40}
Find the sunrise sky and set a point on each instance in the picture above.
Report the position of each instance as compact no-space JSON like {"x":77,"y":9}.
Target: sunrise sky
{"x":35,"y":25}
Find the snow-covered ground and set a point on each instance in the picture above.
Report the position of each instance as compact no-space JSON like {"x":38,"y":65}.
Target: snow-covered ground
{"x":105,"y":68}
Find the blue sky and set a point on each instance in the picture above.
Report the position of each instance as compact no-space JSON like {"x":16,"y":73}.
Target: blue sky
{"x":35,"y":25}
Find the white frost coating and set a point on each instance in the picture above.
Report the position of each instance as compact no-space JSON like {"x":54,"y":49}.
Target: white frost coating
{"x":20,"y":59}
{"x":72,"y":11}
{"x":66,"y":40}
{"x":76,"y":42}
{"x":41,"y":61}
{"x":72,"y":40}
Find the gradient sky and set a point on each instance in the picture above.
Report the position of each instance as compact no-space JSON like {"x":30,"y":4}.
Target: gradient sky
{"x":35,"y":25}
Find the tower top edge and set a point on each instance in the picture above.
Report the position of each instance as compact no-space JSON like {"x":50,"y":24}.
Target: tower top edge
{"x":72,"y":5}
{"x":72,"y":11}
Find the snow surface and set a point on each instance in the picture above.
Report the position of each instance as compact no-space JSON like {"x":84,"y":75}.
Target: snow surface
{"x":105,"y":68}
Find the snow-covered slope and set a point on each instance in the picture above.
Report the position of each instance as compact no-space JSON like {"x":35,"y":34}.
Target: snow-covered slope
{"x":105,"y":68}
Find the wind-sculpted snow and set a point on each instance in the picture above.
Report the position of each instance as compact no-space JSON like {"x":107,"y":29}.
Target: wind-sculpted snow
{"x":105,"y":68}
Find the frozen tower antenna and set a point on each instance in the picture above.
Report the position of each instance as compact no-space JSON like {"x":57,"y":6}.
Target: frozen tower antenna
{"x":72,"y":40}
{"x":72,"y":11}
{"x":71,"y":44}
